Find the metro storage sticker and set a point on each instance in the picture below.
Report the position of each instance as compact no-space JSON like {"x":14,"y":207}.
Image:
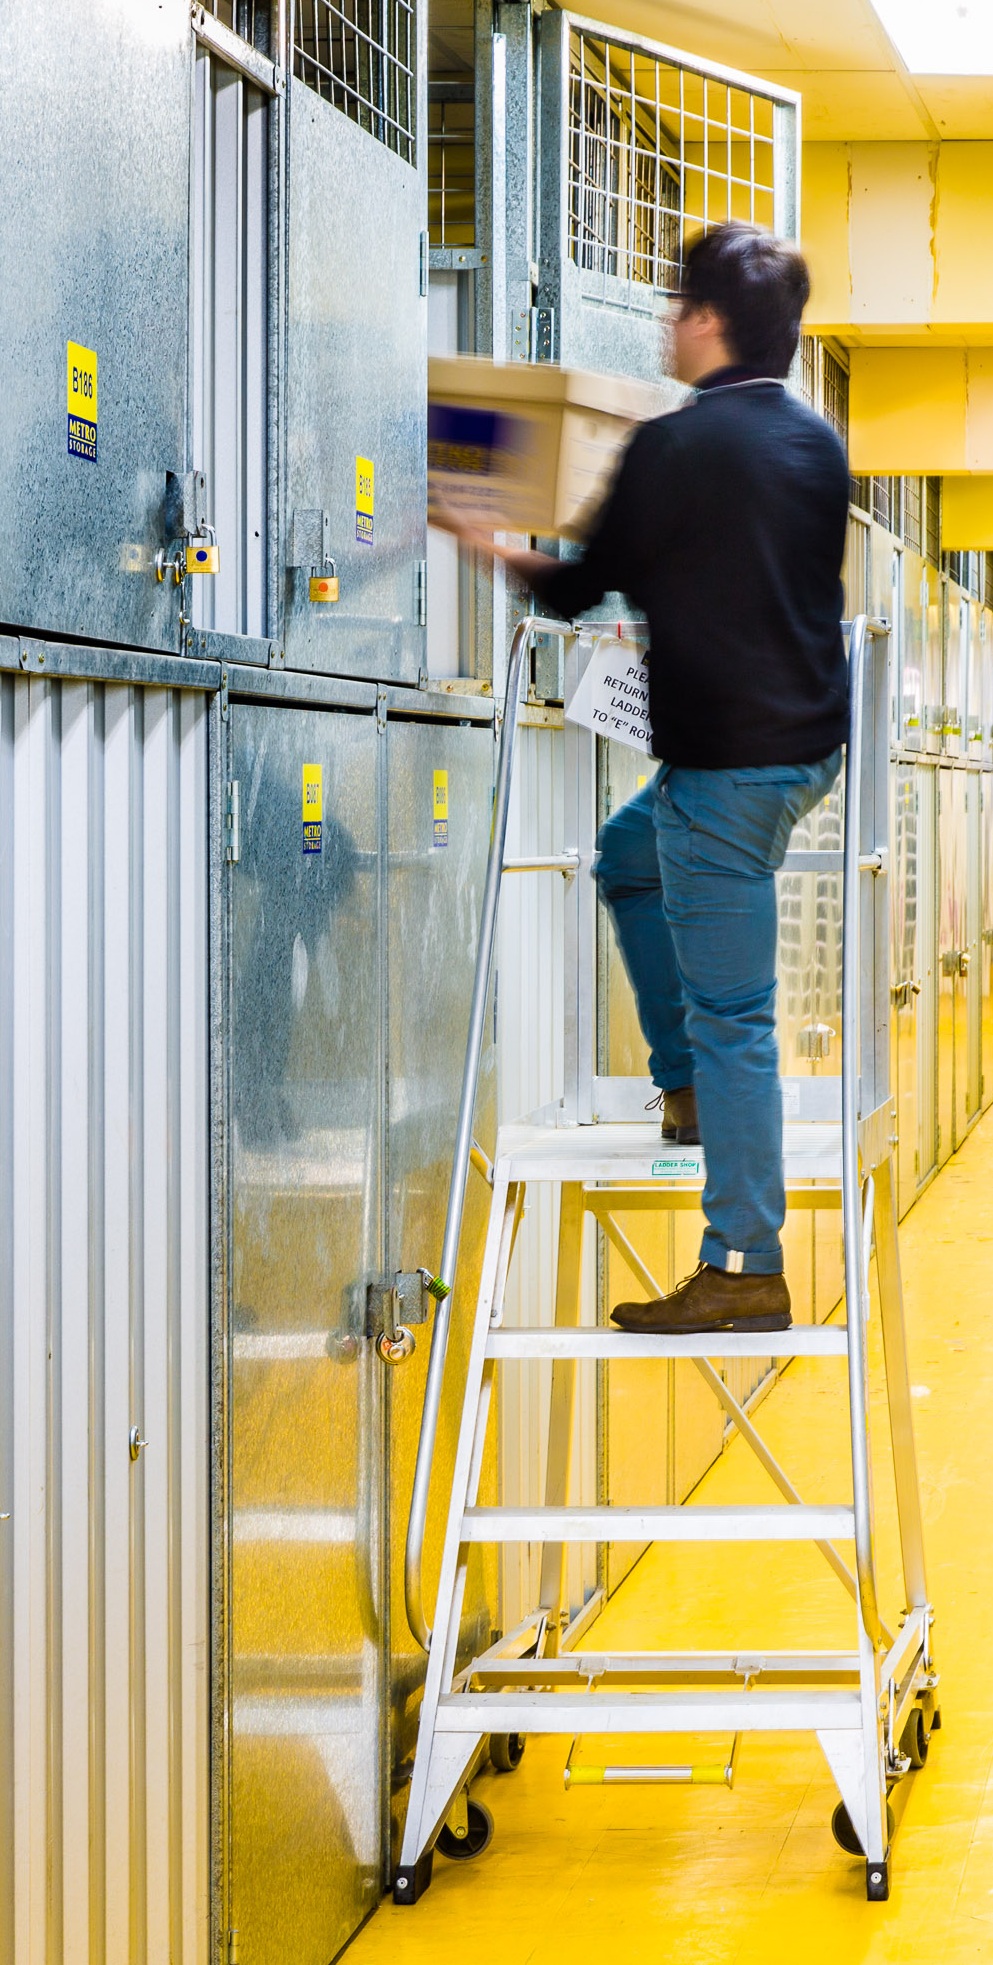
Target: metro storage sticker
{"x":81,"y":401}
{"x":365,"y":499}
{"x":313,"y":807}
{"x":440,"y":808}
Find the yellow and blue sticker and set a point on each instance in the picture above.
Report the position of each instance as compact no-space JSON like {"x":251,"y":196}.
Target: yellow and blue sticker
{"x":81,"y":401}
{"x":313,"y":807}
{"x":365,"y":499}
{"x":440,"y":808}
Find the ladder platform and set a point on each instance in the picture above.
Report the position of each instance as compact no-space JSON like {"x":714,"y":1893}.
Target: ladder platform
{"x":619,"y":1152}
{"x":783,"y":1522}
{"x":666,"y":1667}
{"x":800,"y":1341}
{"x":788,"y":1711}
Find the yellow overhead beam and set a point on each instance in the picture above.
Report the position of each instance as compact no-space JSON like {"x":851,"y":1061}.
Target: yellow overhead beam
{"x":896,"y":238}
{"x":927,"y":410}
{"x":967,"y":514}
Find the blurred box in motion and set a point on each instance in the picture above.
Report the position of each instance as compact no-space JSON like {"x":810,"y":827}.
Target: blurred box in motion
{"x":527,"y":446}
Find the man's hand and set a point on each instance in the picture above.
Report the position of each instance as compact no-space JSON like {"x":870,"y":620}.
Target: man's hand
{"x":474,"y":531}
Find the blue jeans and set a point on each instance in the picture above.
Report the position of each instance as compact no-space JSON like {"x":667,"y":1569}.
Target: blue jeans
{"x":686,"y":870}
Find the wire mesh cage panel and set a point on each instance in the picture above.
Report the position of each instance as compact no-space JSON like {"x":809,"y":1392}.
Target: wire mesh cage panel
{"x":913,"y":514}
{"x":249,"y":18}
{"x":361,"y":56}
{"x":808,"y":365}
{"x":835,"y":395}
{"x":932,"y":520}
{"x":451,"y":164}
{"x":658,"y":151}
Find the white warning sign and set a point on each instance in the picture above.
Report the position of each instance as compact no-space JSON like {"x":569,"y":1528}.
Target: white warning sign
{"x":612,"y":697}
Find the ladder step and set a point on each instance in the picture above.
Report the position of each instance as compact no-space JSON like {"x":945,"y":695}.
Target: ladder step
{"x":781,"y":1711}
{"x":615,"y":1669}
{"x":782,"y":1523}
{"x":801,"y":1341}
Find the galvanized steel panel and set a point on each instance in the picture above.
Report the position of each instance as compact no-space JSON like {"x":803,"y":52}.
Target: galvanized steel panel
{"x":94,"y":156}
{"x":103,"y":1327}
{"x":356,"y":388}
{"x":434,"y":892}
{"x":307,"y":1633}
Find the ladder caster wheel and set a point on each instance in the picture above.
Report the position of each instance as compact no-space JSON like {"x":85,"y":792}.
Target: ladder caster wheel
{"x":844,"y":1833}
{"x":914,"y":1739}
{"x":507,"y":1751}
{"x":479,"y":1835}
{"x":877,"y":1882}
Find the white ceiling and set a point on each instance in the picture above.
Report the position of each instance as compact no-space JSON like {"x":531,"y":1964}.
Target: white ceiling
{"x":834,"y":52}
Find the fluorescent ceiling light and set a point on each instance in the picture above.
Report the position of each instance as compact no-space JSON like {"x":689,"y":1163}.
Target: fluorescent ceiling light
{"x":941,"y":37}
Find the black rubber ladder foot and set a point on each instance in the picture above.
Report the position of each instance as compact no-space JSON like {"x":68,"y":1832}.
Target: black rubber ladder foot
{"x":410,"y":1883}
{"x":877,"y":1881}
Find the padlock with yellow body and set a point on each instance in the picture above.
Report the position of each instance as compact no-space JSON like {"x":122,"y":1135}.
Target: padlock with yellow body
{"x":202,"y":556}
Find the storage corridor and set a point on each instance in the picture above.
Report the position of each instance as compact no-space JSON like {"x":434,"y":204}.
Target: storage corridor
{"x":753,"y":1877}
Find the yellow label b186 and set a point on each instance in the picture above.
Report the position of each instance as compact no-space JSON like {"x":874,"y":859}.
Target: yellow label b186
{"x":312,"y":807}
{"x":440,"y":819}
{"x":81,"y":401}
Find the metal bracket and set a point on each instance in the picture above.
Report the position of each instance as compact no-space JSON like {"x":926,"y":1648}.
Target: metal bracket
{"x":381,"y":709}
{"x":232,"y":822}
{"x":310,"y":538}
{"x":408,"y":1299}
{"x":225,"y":704}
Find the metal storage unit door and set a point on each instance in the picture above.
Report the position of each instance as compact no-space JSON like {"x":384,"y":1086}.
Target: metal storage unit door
{"x":986,"y":793}
{"x":436,"y":868}
{"x":305,"y":1391}
{"x":103,"y":1323}
{"x":956,"y":671}
{"x":934,"y":630}
{"x":907,"y":986}
{"x":357,"y":342}
{"x":973,"y":980}
{"x":913,"y":664}
{"x":953,"y":958}
{"x":95,"y":255}
{"x":229,"y":341}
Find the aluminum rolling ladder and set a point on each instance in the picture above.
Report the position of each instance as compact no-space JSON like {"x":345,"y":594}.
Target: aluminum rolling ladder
{"x":871,"y":1707}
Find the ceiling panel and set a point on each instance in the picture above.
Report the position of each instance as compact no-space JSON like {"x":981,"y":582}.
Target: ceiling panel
{"x":834,"y":51}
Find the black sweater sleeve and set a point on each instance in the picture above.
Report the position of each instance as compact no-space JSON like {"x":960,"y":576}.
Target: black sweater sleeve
{"x":631,"y":527}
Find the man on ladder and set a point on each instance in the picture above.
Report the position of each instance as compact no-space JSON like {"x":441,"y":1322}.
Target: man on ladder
{"x":726,"y":526}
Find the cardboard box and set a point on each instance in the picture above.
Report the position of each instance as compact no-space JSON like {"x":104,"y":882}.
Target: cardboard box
{"x":527,"y":446}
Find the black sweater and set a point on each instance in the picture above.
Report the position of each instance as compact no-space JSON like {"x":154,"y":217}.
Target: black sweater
{"x":726,"y":526}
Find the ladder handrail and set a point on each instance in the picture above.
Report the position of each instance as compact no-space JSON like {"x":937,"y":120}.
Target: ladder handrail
{"x":417,"y":1523}
{"x":851,"y":1067}
{"x":860,"y":629}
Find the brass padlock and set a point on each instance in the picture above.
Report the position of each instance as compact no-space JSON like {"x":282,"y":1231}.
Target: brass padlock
{"x":324,"y":586}
{"x":202,"y":555}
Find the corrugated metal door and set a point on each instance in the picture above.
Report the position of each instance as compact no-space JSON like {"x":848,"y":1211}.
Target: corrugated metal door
{"x":103,"y":1324}
{"x":307,"y":1632}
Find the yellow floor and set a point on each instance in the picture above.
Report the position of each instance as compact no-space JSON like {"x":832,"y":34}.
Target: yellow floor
{"x":708,"y":1877}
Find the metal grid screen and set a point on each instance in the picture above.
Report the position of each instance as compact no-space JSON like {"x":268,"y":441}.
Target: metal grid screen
{"x":932,"y":520}
{"x":913,"y":514}
{"x":361,"y":55}
{"x":249,"y":18}
{"x":657,"y":152}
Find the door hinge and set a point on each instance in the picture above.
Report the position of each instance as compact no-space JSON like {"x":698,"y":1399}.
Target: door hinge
{"x":425,"y":263}
{"x":421,"y":593}
{"x":232,"y":821}
{"x":232,"y":1950}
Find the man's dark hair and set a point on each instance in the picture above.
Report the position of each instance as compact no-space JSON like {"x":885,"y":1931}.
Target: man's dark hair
{"x":758,"y":285}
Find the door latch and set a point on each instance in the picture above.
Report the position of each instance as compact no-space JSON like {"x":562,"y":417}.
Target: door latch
{"x":392,"y":1307}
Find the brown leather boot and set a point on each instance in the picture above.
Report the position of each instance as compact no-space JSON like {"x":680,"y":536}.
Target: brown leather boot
{"x":711,"y":1299}
{"x":679,"y":1118}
